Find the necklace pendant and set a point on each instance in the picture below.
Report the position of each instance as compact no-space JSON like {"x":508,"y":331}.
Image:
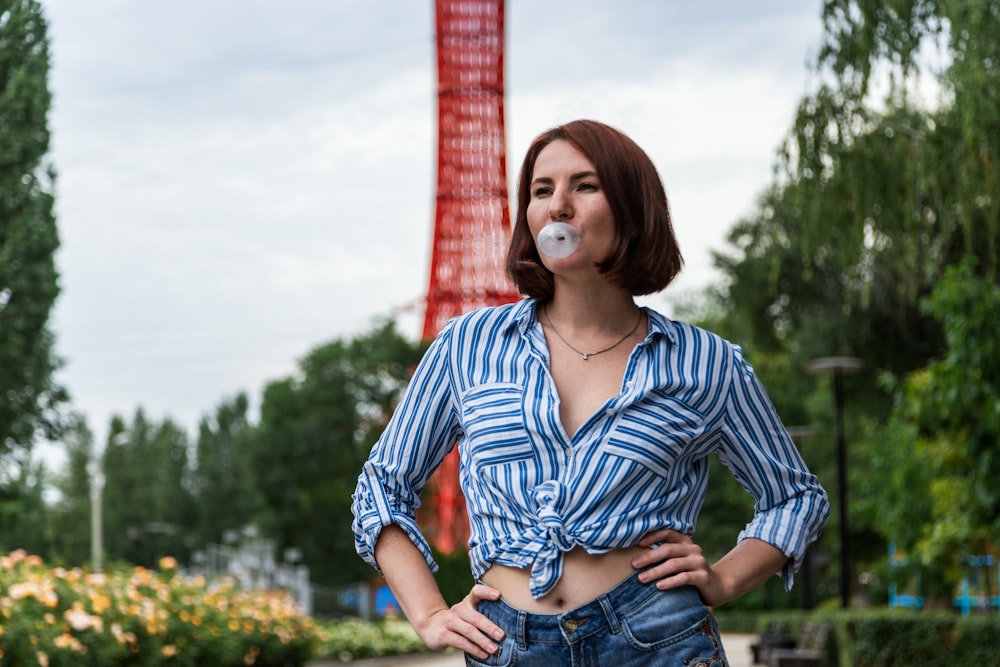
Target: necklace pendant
{"x":585,"y":356}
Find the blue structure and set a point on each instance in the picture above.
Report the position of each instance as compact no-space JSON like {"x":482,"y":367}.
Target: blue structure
{"x":906,"y":600}
{"x":385,"y":602}
{"x":976,"y":571}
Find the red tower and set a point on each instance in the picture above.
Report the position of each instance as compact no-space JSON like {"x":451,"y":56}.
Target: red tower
{"x":472,"y":218}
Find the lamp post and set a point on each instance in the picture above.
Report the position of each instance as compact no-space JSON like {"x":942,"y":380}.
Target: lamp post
{"x":96,"y":517}
{"x":838,"y":367}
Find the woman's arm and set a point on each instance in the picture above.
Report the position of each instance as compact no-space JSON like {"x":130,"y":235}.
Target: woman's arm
{"x":678,"y":561}
{"x":437,"y":624}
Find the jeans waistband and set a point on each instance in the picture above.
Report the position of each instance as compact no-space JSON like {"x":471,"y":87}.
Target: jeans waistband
{"x":576,"y":624}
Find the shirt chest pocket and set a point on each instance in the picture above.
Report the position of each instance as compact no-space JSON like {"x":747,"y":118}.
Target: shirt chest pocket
{"x":493,"y":421}
{"x":656,"y":434}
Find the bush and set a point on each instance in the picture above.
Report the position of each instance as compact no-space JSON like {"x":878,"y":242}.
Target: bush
{"x":55,"y":617}
{"x":903,"y":638}
{"x":893,"y":637}
{"x":353,"y":638}
{"x":978,"y":638}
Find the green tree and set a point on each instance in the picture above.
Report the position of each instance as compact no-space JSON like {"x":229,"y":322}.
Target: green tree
{"x":876,"y":196}
{"x":70,"y":512}
{"x":224,"y":490}
{"x":147,"y":499}
{"x":941,"y":455}
{"x":315,"y":431}
{"x":28,"y":237}
{"x":24,"y":516}
{"x":879,"y":190}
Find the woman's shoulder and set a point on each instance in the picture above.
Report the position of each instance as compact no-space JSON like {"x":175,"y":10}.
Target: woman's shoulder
{"x":691,"y":338}
{"x":491,"y":317}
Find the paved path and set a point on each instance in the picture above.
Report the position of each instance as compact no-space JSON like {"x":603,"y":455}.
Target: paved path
{"x":737,"y":650}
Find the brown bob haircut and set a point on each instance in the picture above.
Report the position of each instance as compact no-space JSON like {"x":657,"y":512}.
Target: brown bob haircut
{"x":646,"y":257}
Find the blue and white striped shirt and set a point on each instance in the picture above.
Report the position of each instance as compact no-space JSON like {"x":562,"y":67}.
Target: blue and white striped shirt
{"x":636,"y":465}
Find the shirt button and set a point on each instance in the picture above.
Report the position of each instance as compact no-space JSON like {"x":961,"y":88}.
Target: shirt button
{"x":610,"y":412}
{"x":569,"y":451}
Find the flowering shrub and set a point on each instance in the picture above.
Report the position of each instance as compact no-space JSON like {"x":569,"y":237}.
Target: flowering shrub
{"x":353,"y":638}
{"x":53,"y":617}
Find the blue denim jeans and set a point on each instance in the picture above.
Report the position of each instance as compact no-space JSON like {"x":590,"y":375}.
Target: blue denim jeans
{"x":632,"y":625}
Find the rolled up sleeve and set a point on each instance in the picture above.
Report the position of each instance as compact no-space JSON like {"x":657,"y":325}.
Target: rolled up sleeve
{"x":423,"y":429}
{"x":790,"y":506}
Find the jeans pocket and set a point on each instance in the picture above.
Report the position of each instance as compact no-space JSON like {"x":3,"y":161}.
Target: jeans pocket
{"x":504,"y":657}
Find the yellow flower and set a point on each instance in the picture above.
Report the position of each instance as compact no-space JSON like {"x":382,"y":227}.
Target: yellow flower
{"x":68,"y":641}
{"x":24,"y":589}
{"x":43,"y":659}
{"x":80,"y":620}
{"x":121,"y":636}
{"x":169,"y":650}
{"x":100,"y":603}
{"x":168,"y":563}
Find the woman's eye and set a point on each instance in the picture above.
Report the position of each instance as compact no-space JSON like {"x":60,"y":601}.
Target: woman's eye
{"x":587,"y":186}
{"x":541,"y":192}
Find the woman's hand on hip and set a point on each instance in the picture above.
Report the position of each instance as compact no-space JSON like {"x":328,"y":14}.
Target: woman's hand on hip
{"x":462,"y":626}
{"x":677,"y":561}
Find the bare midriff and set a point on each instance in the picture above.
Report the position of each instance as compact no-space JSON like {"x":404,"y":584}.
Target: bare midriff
{"x":585,"y":577}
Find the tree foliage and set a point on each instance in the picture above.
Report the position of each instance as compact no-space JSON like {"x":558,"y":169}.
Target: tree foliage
{"x":887,"y":181}
{"x":224,"y":489}
{"x":28,"y":237}
{"x":147,"y":491}
{"x":316,"y":430}
{"x":940,"y":457}
{"x":71,"y":512}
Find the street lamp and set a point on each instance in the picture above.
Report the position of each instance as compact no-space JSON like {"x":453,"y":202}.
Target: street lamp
{"x":838,"y":367}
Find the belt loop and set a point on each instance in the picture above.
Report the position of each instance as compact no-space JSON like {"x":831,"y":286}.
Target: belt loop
{"x":522,"y":634}
{"x":609,"y":613}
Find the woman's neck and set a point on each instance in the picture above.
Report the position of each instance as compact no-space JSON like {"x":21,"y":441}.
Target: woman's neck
{"x":591,"y":309}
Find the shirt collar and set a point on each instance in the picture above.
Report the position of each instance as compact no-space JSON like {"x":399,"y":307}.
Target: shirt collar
{"x":661,"y":325}
{"x":521,"y":316}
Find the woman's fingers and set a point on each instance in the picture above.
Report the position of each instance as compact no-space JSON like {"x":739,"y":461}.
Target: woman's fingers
{"x":479,"y":593}
{"x":664,"y":535}
{"x":675,"y":561}
{"x":462,"y":626}
{"x":669,"y":544}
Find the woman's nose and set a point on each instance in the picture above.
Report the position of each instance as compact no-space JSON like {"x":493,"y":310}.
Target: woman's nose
{"x":559,"y":208}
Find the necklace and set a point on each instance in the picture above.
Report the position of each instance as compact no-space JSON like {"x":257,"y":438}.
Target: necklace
{"x":588,"y":355}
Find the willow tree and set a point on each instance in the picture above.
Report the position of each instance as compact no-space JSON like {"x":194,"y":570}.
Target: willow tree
{"x":887,"y":180}
{"x":28,"y":237}
{"x":889,"y":176}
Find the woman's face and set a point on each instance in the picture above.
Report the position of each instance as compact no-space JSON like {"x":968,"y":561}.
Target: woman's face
{"x":565,"y":188}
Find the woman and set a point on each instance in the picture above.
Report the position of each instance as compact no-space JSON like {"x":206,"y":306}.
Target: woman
{"x":584,"y":423}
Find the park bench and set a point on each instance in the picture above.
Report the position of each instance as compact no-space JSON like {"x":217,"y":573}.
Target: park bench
{"x":807,"y":651}
{"x":776,"y":648}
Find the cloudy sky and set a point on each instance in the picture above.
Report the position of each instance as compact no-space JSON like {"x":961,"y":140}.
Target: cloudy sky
{"x":240,"y":181}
